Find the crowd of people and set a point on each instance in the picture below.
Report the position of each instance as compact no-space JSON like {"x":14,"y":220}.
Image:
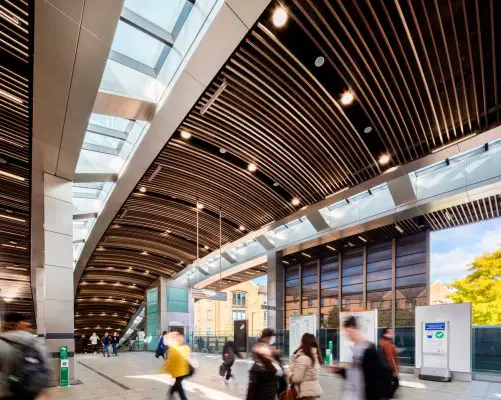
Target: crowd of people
{"x":109,"y":343}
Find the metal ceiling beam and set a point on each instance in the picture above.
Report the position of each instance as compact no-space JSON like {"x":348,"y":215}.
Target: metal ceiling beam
{"x":263,"y":241}
{"x":81,"y":216}
{"x":124,"y":107}
{"x":94,"y":177}
{"x":401,"y":190}
{"x":318,"y":221}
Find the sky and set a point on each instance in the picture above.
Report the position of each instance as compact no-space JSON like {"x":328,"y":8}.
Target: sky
{"x":452,"y":250}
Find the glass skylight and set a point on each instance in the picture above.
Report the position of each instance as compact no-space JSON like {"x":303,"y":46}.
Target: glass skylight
{"x":162,"y":13}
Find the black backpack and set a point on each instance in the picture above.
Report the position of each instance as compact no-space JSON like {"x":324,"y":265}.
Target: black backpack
{"x":31,"y":374}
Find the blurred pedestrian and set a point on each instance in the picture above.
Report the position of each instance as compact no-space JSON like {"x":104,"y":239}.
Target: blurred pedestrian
{"x":230,"y":351}
{"x":201,"y":343}
{"x":21,"y":380}
{"x":389,"y":356}
{"x":94,"y":340}
{"x":161,"y":347}
{"x":106,"y":341}
{"x":268,"y":337}
{"x":304,"y":371}
{"x":178,"y":362}
{"x":363,"y":379}
{"x":114,"y":343}
{"x":83,"y":341}
{"x":263,"y":375}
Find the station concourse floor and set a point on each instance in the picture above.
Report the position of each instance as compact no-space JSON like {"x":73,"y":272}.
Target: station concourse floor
{"x":138,"y":375}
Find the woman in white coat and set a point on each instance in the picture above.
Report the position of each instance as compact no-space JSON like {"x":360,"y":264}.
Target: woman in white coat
{"x":304,"y":371}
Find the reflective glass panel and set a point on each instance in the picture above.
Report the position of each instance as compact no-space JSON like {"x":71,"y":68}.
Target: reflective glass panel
{"x":163,"y":13}
{"x":101,"y":140}
{"x":137,"y":45}
{"x":107,"y":121}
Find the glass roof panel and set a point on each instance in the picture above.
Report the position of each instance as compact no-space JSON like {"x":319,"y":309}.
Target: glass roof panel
{"x":110,"y":122}
{"x":101,"y":140}
{"x":159,"y":12}
{"x":139,"y":46}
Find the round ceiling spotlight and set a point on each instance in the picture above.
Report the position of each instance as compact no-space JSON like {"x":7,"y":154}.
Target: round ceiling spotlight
{"x":242,"y":228}
{"x":142,"y":189}
{"x":200,"y":206}
{"x":319,"y":61}
{"x":185,"y":135}
{"x":295,"y":201}
{"x":252,"y":167}
{"x":347,"y":98}
{"x":280,"y":17}
{"x":3,"y":160}
{"x":222,"y":151}
{"x":276,"y":184}
{"x":206,"y":247}
{"x":368,"y":129}
{"x":384,"y":159}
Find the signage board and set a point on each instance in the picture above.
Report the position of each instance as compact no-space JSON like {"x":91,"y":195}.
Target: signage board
{"x":299,"y":325}
{"x":367,"y":324}
{"x":435,"y":338}
{"x":64,"y":367}
{"x":208,"y":294}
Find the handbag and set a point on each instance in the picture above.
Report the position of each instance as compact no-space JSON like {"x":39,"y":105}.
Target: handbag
{"x":222,"y":369}
{"x":288,"y":394}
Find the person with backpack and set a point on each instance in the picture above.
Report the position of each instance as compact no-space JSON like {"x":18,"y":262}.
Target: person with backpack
{"x":114,"y":343}
{"x":94,"y":340}
{"x":24,"y":366}
{"x":229,"y":352}
{"x":365,"y":379}
{"x":304,"y":371}
{"x":106,"y":340}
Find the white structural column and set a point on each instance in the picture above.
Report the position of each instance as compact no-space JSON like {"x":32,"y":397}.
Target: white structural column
{"x":54,"y":277}
{"x":275,"y":291}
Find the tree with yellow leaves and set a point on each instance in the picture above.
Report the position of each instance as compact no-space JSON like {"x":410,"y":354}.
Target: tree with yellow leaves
{"x":481,"y":287}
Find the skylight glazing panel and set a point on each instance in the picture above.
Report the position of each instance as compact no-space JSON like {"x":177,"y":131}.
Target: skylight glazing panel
{"x":139,"y":46}
{"x":163,"y":13}
{"x":110,"y":122}
{"x":103,"y":141}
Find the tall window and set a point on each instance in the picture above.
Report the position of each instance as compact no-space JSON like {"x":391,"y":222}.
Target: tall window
{"x":309,"y":283}
{"x":291,"y":293}
{"x":329,"y":284}
{"x":209,"y":315}
{"x":352,"y":280}
{"x":239,"y":299}
{"x":239,"y":315}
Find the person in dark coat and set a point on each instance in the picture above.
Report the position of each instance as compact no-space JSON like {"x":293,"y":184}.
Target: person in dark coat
{"x":366,"y":378}
{"x":267,"y":337}
{"x":161,"y":347}
{"x":263,"y":376}
{"x":230,"y":351}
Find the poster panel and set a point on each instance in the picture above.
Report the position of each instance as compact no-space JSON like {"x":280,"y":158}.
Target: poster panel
{"x":366,"y":322}
{"x":435,"y":338}
{"x":299,"y":325}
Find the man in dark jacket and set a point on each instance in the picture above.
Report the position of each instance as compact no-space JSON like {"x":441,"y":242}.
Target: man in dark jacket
{"x":114,"y":343}
{"x":267,"y":337}
{"x":230,"y":351}
{"x":366,"y":379}
{"x":106,"y":341}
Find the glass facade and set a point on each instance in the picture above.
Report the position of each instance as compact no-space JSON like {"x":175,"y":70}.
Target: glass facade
{"x":389,"y":276}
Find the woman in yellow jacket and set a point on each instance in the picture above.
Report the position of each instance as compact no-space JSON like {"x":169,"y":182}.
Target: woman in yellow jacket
{"x":177,"y":364}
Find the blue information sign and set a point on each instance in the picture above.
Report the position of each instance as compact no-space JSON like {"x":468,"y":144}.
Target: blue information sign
{"x":437,"y":326}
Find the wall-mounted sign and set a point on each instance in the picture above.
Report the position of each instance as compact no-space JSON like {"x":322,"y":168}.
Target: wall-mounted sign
{"x":208,"y":294}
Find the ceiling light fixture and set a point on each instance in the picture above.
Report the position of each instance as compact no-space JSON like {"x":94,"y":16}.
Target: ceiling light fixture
{"x":144,"y":253}
{"x":306,"y":255}
{"x":391,"y":169}
{"x":3,"y":160}
{"x":286,"y":262}
{"x":242,"y":228}
{"x":368,"y":129}
{"x":251,"y":167}
{"x":9,"y":96}
{"x":384,"y":159}
{"x":222,"y":151}
{"x":399,"y":229}
{"x":12,"y":19}
{"x":185,"y":135}
{"x":13,"y":176}
{"x":200,"y":206}
{"x":319,"y":61}
{"x":362,"y":239}
{"x":295,"y":201}
{"x":100,"y":248}
{"x":330,"y":247}
{"x":280,"y":17}
{"x":347,"y":98}
{"x":206,"y":247}
{"x":142,"y":189}
{"x":12,"y":218}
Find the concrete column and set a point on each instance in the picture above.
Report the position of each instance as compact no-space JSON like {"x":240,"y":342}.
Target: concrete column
{"x":176,"y":307}
{"x":54,"y":278}
{"x":276,"y":295}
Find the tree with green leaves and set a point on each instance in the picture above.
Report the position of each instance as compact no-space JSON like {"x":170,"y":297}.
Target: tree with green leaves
{"x":481,"y":287}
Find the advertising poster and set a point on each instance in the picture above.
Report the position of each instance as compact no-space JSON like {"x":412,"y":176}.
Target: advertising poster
{"x":299,"y":325}
{"x":367,"y":323}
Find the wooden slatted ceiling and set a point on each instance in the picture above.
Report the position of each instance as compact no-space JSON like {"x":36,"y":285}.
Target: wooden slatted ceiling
{"x":15,"y":136}
{"x":423,"y":73}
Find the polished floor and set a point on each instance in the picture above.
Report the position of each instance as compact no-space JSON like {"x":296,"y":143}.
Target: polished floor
{"x":139,"y":376}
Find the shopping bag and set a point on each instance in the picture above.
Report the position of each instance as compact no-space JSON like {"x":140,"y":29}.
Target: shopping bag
{"x":288,"y":394}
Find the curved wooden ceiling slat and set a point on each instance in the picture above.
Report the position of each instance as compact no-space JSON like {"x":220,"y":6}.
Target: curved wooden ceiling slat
{"x":418,"y":71}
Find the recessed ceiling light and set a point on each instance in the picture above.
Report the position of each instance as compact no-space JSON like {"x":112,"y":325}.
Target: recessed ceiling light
{"x":384,"y":159}
{"x":319,"y":61}
{"x":222,"y":151}
{"x":251,"y":167}
{"x":330,"y":247}
{"x":200,"y":206}
{"x":100,"y":248}
{"x":206,"y":247}
{"x":275,"y":184}
{"x":279,"y":17}
{"x":306,"y":255}
{"x":398,"y":228}
{"x":391,"y":169}
{"x":242,"y":228}
{"x":144,"y":253}
{"x":3,"y":160}
{"x":115,"y":226}
{"x":368,"y":129}
{"x":185,"y":135}
{"x":16,"y":99}
{"x":295,"y":201}
{"x":362,"y":239}
{"x":142,"y":189}
{"x":130,"y":268}
{"x":347,"y":98}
